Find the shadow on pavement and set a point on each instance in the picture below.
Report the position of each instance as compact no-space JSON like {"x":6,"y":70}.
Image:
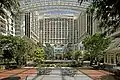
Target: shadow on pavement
{"x":12,"y":78}
{"x":110,"y":77}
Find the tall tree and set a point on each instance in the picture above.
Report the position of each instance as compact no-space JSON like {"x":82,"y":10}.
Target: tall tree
{"x":14,"y":49}
{"x":19,"y":50}
{"x":10,"y":5}
{"x":30,"y":47}
{"x":49,"y":51}
{"x":77,"y":54}
{"x":39,"y":55}
{"x":107,"y":12}
{"x":96,"y":44}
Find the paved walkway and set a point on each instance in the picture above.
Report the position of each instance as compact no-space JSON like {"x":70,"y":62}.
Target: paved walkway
{"x":17,"y":72}
{"x":55,"y":74}
{"x":95,"y":74}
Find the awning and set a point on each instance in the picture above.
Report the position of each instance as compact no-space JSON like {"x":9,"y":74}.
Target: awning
{"x":116,"y":50}
{"x":69,"y":61}
{"x":114,"y":46}
{"x":1,"y":56}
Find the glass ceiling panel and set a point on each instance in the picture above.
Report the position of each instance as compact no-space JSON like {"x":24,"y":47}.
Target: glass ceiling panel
{"x":42,"y":5}
{"x":59,"y":12}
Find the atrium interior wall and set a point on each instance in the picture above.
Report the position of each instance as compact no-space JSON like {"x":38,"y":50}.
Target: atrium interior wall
{"x":54,"y":29}
{"x":56,"y":21}
{"x":62,"y":30}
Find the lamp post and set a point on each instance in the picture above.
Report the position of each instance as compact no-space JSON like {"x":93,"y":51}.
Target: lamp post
{"x":80,"y":60}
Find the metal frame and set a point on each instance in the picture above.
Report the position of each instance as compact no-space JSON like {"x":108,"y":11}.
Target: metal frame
{"x":45,"y":6}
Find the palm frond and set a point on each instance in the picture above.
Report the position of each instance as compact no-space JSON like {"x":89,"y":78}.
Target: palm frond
{"x":10,"y":5}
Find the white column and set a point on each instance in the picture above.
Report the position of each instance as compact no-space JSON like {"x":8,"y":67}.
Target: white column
{"x":44,"y":30}
{"x":104,"y":58}
{"x":55,"y":31}
{"x":64,"y":27}
{"x":86,"y":23}
{"x":107,"y":57}
{"x":110,"y":58}
{"x":78,"y":25}
{"x":67,"y":31}
{"x":114,"y":57}
{"x":81,"y":25}
{"x":50,"y":31}
{"x":61,"y":31}
{"x":58,"y":29}
{"x":73,"y":31}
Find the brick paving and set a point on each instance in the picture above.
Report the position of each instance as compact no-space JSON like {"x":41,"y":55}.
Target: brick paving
{"x":95,"y":74}
{"x":30,"y":72}
{"x":17,"y":72}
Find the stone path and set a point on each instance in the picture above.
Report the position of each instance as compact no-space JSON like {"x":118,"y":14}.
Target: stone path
{"x":78,"y":76}
{"x":56,"y":74}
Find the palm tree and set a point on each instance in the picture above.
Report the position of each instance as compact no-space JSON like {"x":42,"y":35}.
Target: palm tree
{"x":10,"y":5}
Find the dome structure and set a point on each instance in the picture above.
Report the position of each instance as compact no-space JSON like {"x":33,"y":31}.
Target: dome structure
{"x":54,"y":6}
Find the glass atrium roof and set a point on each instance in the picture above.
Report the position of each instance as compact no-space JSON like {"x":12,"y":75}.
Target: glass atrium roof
{"x":54,"y":6}
{"x":60,"y":12}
